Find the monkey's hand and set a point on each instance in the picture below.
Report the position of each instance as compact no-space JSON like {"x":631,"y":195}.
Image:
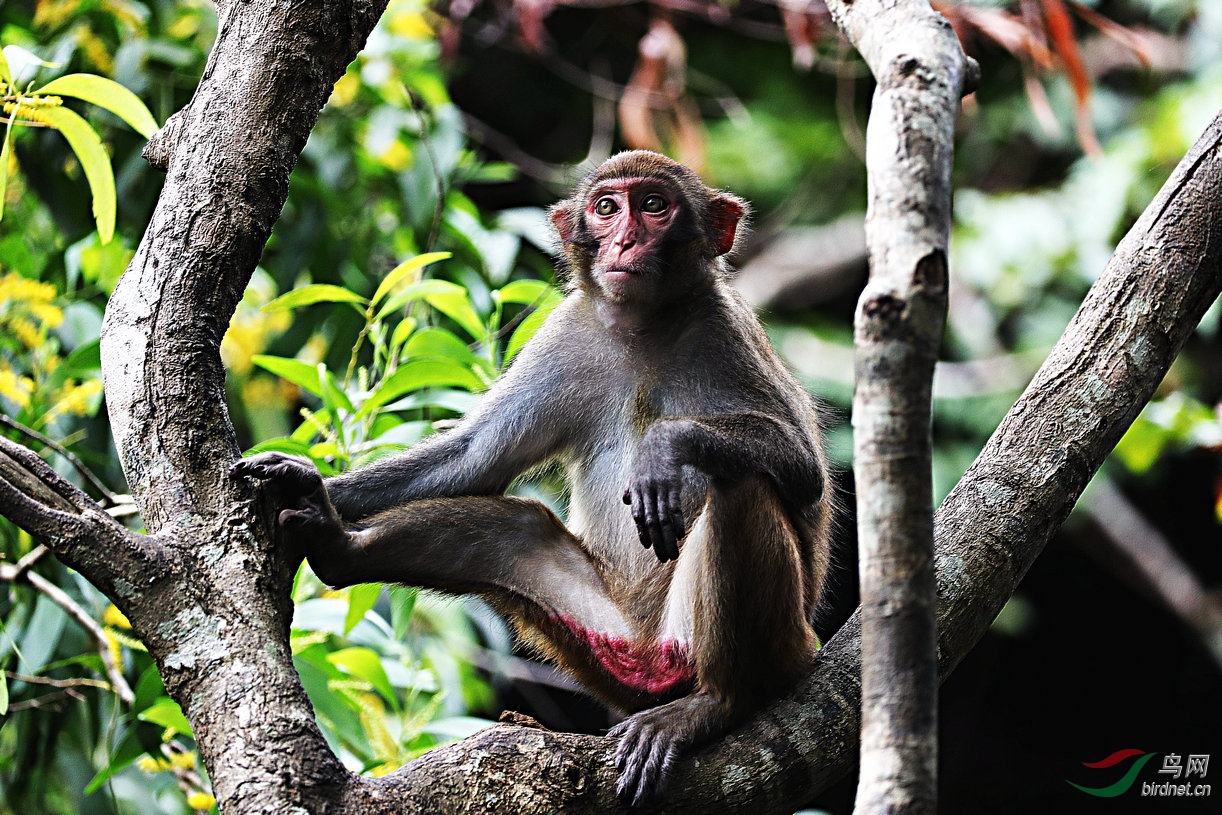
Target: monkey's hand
{"x":296,"y":485}
{"x":655,"y":495}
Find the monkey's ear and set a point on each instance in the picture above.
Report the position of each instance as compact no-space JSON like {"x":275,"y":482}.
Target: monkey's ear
{"x":725,"y":211}
{"x":562,"y":218}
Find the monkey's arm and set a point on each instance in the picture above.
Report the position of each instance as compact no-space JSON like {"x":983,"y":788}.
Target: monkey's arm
{"x":513,"y":429}
{"x":729,"y":447}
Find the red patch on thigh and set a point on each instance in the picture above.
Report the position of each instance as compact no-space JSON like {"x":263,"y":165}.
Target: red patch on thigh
{"x":656,"y":668}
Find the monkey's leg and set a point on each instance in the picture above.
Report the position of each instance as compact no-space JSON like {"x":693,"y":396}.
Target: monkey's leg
{"x":738,"y":593}
{"x":514,"y":552}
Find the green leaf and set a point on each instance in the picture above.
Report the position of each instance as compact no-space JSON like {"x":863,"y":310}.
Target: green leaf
{"x":437,"y":343}
{"x":402,"y":604}
{"x":105,"y":93}
{"x":3,"y":692}
{"x":527,"y":328}
{"x":84,"y":360}
{"x":456,"y":304}
{"x":337,"y":718}
{"x":422,"y":373}
{"x":4,"y":154}
{"x":23,"y":57}
{"x":314,"y":293}
{"x":361,"y":599}
{"x":449,"y":298}
{"x":402,"y":331}
{"x":458,"y":401}
{"x":1142,"y":444}
{"x":364,"y":663}
{"x":332,"y":394}
{"x":290,"y":446}
{"x":302,"y":374}
{"x":5,"y":73}
{"x":398,"y":274}
{"x":526,"y":291}
{"x":129,"y":750}
{"x":42,"y":634}
{"x":149,"y":688}
{"x":94,"y":161}
{"x":166,"y":712}
{"x":419,"y":290}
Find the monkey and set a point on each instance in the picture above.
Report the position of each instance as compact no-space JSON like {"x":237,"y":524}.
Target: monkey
{"x":680,"y":590}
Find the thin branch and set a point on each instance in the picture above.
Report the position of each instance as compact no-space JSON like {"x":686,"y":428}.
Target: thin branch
{"x":70,"y":523}
{"x":922,"y":73}
{"x":46,"y":701}
{"x":112,"y":499}
{"x":15,"y":574}
{"x":493,"y":139}
{"x":75,"y":682}
{"x":1140,"y":543}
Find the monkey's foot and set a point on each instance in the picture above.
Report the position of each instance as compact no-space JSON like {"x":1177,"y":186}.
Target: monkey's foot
{"x":297,"y":486}
{"x":651,"y":741}
{"x":289,"y":476}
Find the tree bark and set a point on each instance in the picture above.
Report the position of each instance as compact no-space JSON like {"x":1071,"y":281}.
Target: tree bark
{"x":207,"y":590}
{"x":921,"y":72}
{"x":218,"y":628}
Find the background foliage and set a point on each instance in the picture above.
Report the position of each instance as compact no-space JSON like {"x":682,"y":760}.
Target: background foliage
{"x":413,"y":260}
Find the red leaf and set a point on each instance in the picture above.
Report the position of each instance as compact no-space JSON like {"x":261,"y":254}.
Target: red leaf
{"x":1060,"y":31}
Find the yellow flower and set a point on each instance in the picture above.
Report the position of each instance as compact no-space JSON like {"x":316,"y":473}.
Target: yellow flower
{"x":201,"y":801}
{"x":152,"y":765}
{"x":345,"y":89}
{"x":25,"y":331}
{"x":16,"y":389}
{"x":75,"y":398}
{"x":113,"y":617}
{"x":405,"y":18}
{"x":183,"y":761}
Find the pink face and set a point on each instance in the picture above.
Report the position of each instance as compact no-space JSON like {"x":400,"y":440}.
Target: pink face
{"x":628,"y":217}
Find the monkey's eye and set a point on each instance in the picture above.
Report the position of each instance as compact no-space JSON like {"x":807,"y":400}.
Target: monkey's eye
{"x":653,"y":204}
{"x":606,"y":206}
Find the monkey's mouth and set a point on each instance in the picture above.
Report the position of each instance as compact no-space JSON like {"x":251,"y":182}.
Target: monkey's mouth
{"x":621,"y":275}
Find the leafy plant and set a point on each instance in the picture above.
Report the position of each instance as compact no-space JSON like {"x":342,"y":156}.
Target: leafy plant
{"x":415,"y":367}
{"x":380,"y":665}
{"x":32,"y":106}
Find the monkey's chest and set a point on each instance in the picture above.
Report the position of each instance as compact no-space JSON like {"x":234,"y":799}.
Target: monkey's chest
{"x":597,"y":481}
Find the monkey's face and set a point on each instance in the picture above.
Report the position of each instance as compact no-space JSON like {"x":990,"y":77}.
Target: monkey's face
{"x":633,"y":224}
{"x":642,"y":231}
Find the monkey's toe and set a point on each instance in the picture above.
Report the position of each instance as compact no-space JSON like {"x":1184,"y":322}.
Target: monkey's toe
{"x":643,"y":757}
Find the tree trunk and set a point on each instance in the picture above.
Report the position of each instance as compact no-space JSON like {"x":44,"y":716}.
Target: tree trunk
{"x":921,"y":70}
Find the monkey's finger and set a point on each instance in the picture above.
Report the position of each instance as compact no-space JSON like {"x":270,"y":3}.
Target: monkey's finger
{"x":653,"y":520}
{"x":675,"y":506}
{"x":668,"y":548}
{"x":653,"y":768}
{"x":638,"y":517}
{"x":294,"y":517}
{"x":631,"y":758}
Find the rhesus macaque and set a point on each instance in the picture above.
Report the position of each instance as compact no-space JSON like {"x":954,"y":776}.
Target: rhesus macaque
{"x":655,"y":386}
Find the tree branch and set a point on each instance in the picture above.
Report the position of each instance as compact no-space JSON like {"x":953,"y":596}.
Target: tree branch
{"x":921,"y":73}
{"x":111,"y":499}
{"x":71,"y":524}
{"x":1158,"y":567}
